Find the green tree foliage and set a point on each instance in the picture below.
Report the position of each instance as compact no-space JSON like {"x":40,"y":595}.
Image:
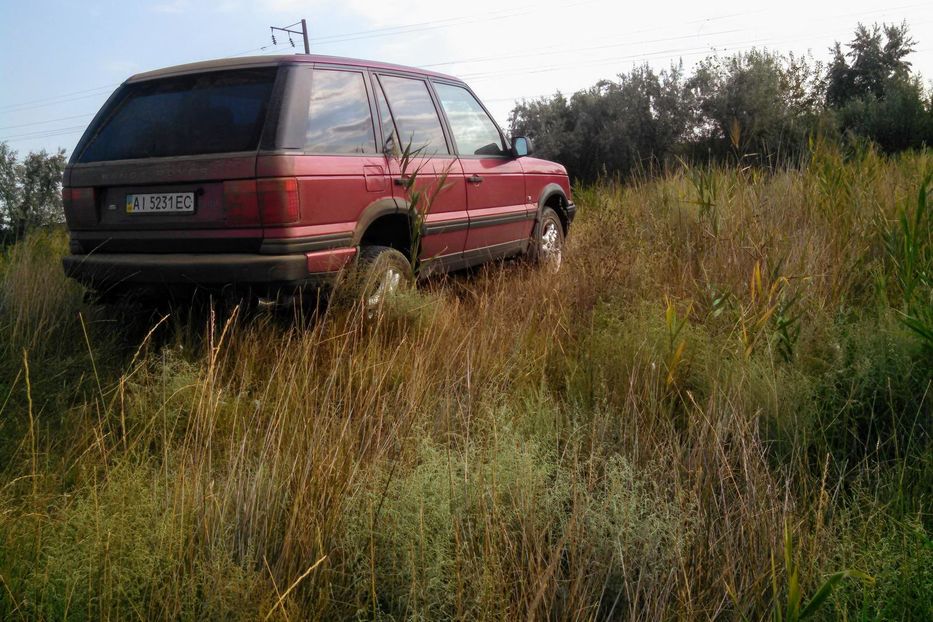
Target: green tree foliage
{"x":872,"y":92}
{"x":628,"y":124}
{"x":901,"y":119}
{"x":756,"y":103}
{"x":759,"y":107}
{"x":875,"y":57}
{"x":30,"y":191}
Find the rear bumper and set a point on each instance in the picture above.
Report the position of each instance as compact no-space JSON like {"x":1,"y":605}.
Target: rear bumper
{"x":109,"y":269}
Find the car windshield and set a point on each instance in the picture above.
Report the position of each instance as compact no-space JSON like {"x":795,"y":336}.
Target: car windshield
{"x":218,"y":112}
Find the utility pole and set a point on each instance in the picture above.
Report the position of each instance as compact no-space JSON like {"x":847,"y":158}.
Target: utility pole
{"x":288,"y":29}
{"x":304,"y":33}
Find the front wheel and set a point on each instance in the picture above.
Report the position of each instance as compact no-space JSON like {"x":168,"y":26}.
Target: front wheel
{"x":549,"y":241}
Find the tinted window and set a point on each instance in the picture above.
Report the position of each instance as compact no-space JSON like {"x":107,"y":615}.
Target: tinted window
{"x":414,"y":113}
{"x":339,"y":119}
{"x":474,"y":132}
{"x":207,"y":113}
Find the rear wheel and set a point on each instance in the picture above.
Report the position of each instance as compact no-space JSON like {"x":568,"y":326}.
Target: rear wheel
{"x":385,"y":273}
{"x":549,"y":241}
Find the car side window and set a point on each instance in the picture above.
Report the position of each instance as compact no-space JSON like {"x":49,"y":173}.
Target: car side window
{"x":339,"y":117}
{"x":474,"y":132}
{"x":415,"y":116}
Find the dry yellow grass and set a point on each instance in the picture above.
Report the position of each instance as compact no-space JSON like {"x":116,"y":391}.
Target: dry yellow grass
{"x":626,"y":440}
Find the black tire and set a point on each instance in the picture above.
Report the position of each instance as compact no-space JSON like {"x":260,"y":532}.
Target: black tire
{"x":549,"y":241}
{"x":382,"y":272}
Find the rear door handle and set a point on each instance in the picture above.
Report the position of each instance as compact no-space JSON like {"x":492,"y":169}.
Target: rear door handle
{"x":475,"y":179}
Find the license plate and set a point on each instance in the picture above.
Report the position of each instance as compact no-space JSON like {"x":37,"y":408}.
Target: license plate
{"x":161,"y":202}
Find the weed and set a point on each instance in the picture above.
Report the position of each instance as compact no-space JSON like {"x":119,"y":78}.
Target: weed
{"x":625,"y":439}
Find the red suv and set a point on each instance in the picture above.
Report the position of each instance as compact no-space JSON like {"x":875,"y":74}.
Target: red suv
{"x":274,"y":172}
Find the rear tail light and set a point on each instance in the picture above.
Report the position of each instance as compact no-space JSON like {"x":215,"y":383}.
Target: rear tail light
{"x":278,"y":200}
{"x":80,"y":206}
{"x":241,"y":206}
{"x":266,"y":201}
{"x":79,"y":197}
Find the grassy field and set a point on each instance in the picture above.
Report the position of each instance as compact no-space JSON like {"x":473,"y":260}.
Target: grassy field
{"x":722,"y":399}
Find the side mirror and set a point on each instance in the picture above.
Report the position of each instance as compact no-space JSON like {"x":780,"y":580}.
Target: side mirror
{"x":521,"y":146}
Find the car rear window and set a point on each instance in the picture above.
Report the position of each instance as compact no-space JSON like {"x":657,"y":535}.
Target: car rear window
{"x":218,"y":112}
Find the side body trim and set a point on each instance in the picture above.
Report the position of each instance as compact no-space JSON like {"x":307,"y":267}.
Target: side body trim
{"x":474,"y":257}
{"x":284,"y":246}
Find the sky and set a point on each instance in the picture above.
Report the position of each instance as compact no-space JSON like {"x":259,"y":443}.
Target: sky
{"x":59,"y":61}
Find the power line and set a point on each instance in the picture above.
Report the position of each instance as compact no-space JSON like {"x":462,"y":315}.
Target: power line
{"x":436,"y":24}
{"x":327,"y":39}
{"x":414,"y":27}
{"x":54,"y":103}
{"x":671,"y":54}
{"x":38,"y":103}
{"x":289,"y":32}
{"x":264,"y":50}
{"x":468,"y":19}
{"x":76,"y":116}
{"x":259,"y":49}
{"x":431,"y":25}
{"x":92,"y":92}
{"x":46,"y":133}
{"x":32,"y":101}
{"x":84,"y":94}
{"x":552,"y":51}
{"x":445,"y":23}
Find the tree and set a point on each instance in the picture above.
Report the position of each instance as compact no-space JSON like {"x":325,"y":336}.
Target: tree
{"x":870,"y":63}
{"x":758,"y":106}
{"x":900,"y":120}
{"x":872,"y":93}
{"x":757,"y":102}
{"x":616,"y":126}
{"x":30,"y":191}
{"x":549,"y":122}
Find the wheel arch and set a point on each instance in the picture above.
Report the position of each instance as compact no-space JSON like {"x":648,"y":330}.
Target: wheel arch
{"x":386,"y":223}
{"x":553,"y":196}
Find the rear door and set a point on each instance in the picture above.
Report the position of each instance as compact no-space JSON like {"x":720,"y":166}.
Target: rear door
{"x":417,"y":126}
{"x":327,"y":141}
{"x":499,"y":210}
{"x":159,"y":160}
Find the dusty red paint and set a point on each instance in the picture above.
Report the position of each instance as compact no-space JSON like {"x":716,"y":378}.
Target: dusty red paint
{"x":329,"y":261}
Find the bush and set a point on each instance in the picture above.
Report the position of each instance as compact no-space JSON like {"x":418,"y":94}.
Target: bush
{"x":449,"y":535}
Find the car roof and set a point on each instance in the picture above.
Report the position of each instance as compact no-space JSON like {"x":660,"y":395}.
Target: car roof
{"x":281,"y":59}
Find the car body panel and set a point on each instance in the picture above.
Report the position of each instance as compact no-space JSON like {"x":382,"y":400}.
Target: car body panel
{"x":446,"y":221}
{"x":332,"y":190}
{"x":498,"y":206}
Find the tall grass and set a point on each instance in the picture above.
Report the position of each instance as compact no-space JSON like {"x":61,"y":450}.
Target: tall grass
{"x":637,"y":437}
